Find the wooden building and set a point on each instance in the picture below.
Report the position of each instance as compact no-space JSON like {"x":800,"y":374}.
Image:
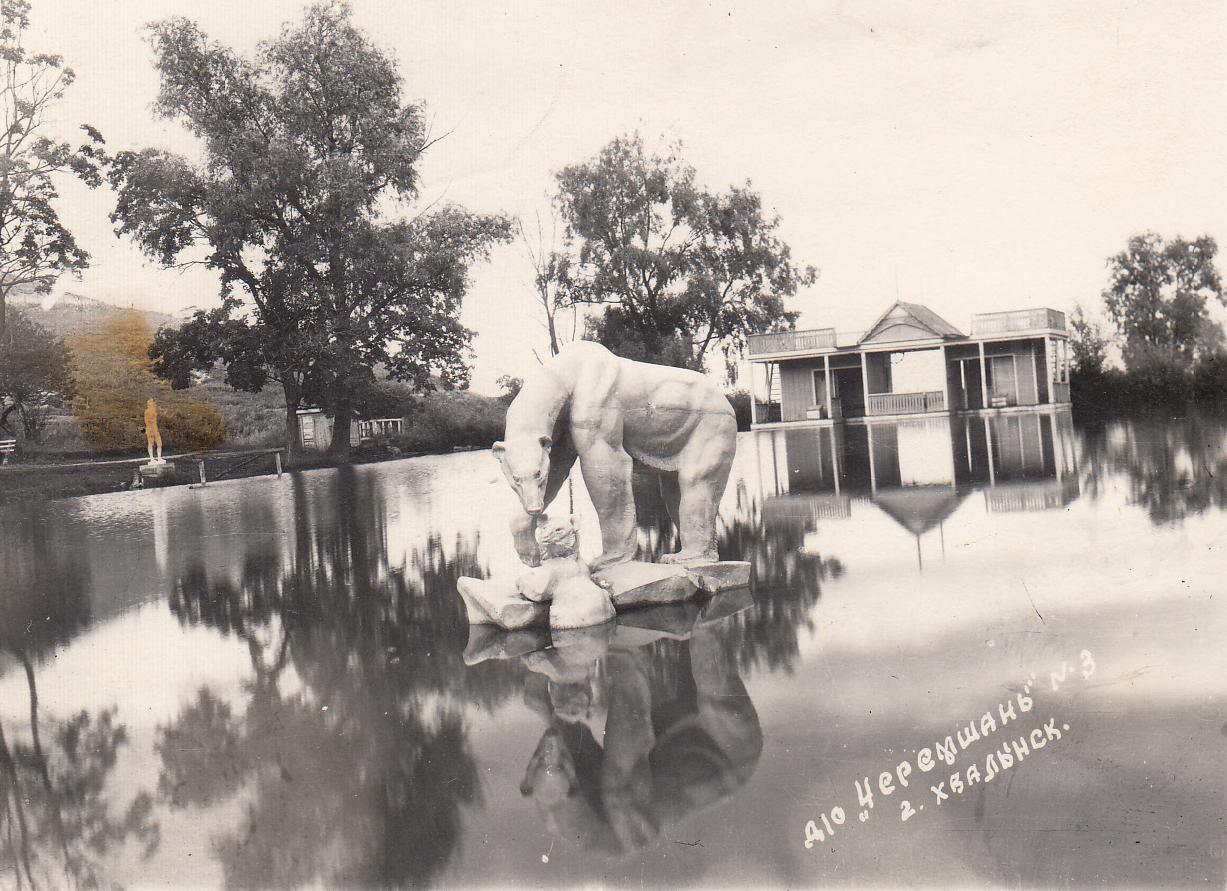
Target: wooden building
{"x":911,"y":361}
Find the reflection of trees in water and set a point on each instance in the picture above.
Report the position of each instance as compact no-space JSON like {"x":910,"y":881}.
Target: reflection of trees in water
{"x":1176,"y":467}
{"x":787,"y":578}
{"x":56,"y":823}
{"x":360,"y":779}
{"x":44,"y":582}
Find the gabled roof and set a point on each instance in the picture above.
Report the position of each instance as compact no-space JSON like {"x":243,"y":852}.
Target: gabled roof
{"x":910,"y":321}
{"x":921,"y":508}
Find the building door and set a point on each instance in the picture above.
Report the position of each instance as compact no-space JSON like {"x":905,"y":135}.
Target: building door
{"x":965,"y":386}
{"x":848,"y":387}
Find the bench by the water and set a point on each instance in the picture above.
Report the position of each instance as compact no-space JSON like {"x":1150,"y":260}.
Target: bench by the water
{"x":7,"y":447}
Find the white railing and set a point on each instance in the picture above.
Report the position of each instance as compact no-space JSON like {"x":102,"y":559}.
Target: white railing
{"x":791,"y":341}
{"x":905,"y":403}
{"x":1017,"y":320}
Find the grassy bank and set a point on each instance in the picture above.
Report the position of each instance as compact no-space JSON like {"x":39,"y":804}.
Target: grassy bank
{"x":45,"y":480}
{"x":438,"y":422}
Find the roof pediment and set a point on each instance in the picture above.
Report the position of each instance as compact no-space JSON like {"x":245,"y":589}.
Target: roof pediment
{"x":908,"y":322}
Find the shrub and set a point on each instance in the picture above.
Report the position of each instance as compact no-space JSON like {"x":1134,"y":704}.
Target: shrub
{"x":443,"y":420}
{"x":740,"y":400}
{"x":113,"y":381}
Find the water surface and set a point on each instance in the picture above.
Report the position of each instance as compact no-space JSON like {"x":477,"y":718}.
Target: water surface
{"x":271,"y":683}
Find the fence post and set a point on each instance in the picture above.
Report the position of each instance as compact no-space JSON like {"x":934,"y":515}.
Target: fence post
{"x":277,"y":458}
{"x":203,"y":482}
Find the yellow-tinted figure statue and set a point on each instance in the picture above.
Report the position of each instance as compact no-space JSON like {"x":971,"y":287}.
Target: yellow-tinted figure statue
{"x":152,"y":435}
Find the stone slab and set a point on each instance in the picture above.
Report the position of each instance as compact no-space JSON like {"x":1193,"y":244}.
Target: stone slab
{"x":636,"y":583}
{"x":490,"y":603}
{"x":716,"y":577}
{"x":156,"y":469}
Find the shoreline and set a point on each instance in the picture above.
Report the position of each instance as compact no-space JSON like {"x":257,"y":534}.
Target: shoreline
{"x":45,"y":481}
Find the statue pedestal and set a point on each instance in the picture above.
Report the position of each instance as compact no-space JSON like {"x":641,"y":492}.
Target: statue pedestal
{"x":716,"y":577}
{"x":156,"y":469}
{"x":642,"y":584}
{"x":489,"y":602}
{"x":578,"y":603}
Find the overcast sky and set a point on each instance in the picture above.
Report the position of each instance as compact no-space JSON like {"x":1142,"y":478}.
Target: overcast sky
{"x":973,"y":157}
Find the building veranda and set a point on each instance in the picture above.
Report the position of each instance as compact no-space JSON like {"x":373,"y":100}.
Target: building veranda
{"x":911,"y":361}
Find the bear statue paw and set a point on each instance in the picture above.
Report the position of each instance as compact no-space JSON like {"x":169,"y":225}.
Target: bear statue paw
{"x":690,"y":558}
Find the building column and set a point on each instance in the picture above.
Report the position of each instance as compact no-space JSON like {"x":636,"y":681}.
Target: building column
{"x":865,"y":379}
{"x":946,"y":380}
{"x":983,"y":379}
{"x":1050,"y":369}
{"x":826,"y":369}
{"x":1047,"y":373}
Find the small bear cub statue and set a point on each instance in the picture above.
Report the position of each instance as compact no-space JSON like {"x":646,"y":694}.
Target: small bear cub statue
{"x":560,"y":559}
{"x":563,"y":579}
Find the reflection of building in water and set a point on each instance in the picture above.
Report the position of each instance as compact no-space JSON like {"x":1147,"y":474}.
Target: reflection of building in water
{"x":918,"y":471}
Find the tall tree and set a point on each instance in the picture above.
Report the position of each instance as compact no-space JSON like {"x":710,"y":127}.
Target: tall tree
{"x":35,"y":247}
{"x":1157,"y":299}
{"x":679,"y":271}
{"x":559,"y":316}
{"x":307,"y":148}
{"x":1087,"y":343}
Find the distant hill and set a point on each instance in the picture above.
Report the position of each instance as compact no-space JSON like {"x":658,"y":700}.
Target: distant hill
{"x":71,"y":314}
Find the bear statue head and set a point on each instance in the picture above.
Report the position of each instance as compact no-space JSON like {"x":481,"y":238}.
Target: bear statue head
{"x":557,"y":538}
{"x":526,"y":464}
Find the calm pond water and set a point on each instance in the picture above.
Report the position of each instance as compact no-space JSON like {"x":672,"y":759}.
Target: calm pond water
{"x":271,"y":683}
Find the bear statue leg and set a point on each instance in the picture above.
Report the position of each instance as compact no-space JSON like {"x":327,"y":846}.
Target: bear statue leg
{"x":524,"y":535}
{"x":607,"y":473}
{"x":671,"y":492}
{"x":703,"y":473}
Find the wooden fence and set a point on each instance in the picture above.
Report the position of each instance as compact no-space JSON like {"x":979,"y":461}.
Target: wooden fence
{"x":905,"y":403}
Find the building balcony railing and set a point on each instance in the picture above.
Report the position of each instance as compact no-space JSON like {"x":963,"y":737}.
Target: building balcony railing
{"x":1017,"y":320}
{"x":905,"y":403}
{"x":791,"y":341}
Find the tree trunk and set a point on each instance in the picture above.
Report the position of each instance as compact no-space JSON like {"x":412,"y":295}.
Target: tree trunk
{"x":4,"y":417}
{"x":343,"y":414}
{"x":293,"y":437}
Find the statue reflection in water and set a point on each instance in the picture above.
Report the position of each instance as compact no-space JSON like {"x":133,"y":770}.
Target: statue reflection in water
{"x":647,"y":724}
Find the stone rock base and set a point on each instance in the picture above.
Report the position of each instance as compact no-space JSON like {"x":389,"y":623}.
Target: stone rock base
{"x":580,"y":603}
{"x":490,"y":603}
{"x":564,"y":656}
{"x":716,"y":577}
{"x":156,"y":469}
{"x":635,"y":583}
